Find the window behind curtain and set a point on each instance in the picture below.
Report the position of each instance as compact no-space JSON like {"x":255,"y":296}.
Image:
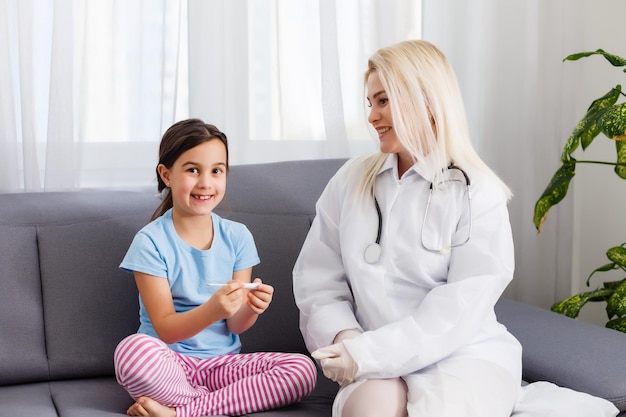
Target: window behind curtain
{"x":287,"y":82}
{"x":89,"y":86}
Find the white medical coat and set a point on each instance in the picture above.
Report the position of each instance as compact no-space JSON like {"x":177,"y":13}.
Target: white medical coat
{"x":414,"y":306}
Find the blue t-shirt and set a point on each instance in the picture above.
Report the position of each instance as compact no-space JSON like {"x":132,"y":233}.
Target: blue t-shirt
{"x":158,"y":250}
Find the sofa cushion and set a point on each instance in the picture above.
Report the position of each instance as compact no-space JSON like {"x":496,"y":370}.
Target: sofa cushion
{"x":278,"y":239}
{"x":22,"y":345}
{"x":82,"y":283}
{"x":90,"y":292}
{"x":27,"y":400}
{"x":570,"y":353}
{"x":75,"y":295}
{"x":267,"y":188}
{"x":100,"y":397}
{"x":93,"y":397}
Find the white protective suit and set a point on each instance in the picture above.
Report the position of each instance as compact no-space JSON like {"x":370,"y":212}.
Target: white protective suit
{"x":417,"y":307}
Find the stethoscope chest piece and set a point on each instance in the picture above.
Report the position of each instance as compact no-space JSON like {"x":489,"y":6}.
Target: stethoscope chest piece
{"x":372,"y":253}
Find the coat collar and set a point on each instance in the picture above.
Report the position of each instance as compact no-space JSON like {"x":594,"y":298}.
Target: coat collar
{"x":424,"y":168}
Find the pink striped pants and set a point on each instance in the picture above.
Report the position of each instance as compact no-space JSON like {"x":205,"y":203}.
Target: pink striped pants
{"x":225,"y":385}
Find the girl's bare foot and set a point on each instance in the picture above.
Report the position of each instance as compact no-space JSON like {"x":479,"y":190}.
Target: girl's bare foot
{"x":145,"y":406}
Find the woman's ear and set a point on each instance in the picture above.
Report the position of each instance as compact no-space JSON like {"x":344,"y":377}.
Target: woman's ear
{"x":164,"y":173}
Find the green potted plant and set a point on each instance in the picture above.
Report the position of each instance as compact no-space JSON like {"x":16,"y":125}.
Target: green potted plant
{"x":605,"y":115}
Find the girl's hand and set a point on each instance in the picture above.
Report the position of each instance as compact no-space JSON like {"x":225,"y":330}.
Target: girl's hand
{"x":228,"y":299}
{"x":260,"y":299}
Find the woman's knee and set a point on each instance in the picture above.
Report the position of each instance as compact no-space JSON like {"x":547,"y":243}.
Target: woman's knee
{"x":377,"y":398}
{"x":462,"y":386}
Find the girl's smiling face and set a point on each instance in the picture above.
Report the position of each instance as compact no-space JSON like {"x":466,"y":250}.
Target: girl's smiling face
{"x":197,"y":179}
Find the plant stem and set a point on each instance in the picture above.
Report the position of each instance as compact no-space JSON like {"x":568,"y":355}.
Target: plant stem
{"x":601,"y":163}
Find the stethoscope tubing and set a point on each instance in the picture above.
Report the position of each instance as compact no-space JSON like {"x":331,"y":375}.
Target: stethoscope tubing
{"x":372,"y":251}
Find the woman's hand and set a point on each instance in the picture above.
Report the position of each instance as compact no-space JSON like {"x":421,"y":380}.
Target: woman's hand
{"x":337,"y":363}
{"x":260,"y":299}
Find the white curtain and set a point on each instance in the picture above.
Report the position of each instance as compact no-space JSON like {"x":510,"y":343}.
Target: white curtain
{"x":522,"y":103}
{"x":87,"y":87}
{"x":283,"y":78}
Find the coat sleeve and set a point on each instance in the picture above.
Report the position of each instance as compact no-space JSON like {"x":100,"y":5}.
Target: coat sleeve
{"x":455,"y":314}
{"x":321,"y":290}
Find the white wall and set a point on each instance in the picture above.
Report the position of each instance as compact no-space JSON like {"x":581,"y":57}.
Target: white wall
{"x":523,"y":103}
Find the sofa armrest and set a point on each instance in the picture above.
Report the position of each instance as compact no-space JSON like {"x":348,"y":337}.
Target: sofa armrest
{"x":567,"y":352}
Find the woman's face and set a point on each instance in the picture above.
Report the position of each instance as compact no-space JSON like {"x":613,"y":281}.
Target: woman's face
{"x":380,"y":116}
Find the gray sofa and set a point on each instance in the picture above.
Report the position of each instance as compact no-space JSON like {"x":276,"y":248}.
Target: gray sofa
{"x":64,"y":304}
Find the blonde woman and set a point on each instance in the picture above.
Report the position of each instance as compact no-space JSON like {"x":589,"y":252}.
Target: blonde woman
{"x":409,"y":251}
{"x":398,"y":277}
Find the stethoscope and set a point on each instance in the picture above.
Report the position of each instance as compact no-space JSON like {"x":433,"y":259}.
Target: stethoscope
{"x":373,"y":251}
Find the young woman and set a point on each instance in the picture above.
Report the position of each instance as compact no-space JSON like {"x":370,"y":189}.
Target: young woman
{"x":191,"y":266}
{"x":412,"y":308}
{"x":409,"y":251}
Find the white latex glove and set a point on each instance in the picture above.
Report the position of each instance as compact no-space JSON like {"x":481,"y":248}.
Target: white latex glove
{"x":337,"y":363}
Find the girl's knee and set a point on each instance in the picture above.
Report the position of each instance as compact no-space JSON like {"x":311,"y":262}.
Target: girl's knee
{"x":307,"y":371}
{"x":307,"y":365}
{"x":302,"y":370}
{"x":134,"y":350}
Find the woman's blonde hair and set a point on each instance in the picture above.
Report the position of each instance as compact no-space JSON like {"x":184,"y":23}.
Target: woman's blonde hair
{"x":427,"y":111}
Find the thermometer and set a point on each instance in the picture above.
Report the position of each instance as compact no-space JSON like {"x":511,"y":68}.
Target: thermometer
{"x":249,"y":286}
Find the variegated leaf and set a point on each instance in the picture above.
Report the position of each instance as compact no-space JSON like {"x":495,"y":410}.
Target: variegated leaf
{"x":617,"y":255}
{"x":603,"y":268}
{"x":617,"y":324}
{"x":615,"y":60}
{"x":571,"y":306}
{"x":612,"y":122}
{"x":554,"y":192}
{"x":611,"y":284}
{"x":616,"y":304}
{"x":620,"y":168}
{"x":587,"y":129}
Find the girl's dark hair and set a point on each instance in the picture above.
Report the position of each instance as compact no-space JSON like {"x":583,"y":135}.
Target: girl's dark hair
{"x":179,"y":138}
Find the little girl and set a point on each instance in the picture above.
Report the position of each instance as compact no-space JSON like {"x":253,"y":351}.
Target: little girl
{"x":184,"y":360}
